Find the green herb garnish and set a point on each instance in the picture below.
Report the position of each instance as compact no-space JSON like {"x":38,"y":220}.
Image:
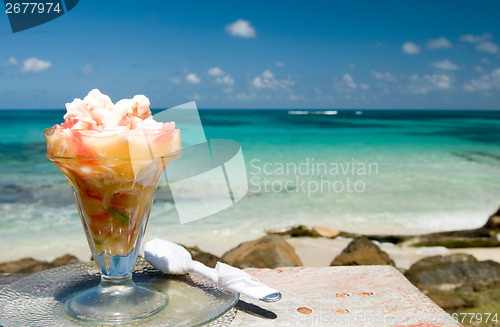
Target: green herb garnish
{"x":120,"y":216}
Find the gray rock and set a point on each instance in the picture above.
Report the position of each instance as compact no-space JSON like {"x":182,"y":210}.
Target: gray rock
{"x":317,"y":231}
{"x":362,"y":251}
{"x":24,"y":266}
{"x":30,"y":265}
{"x":456,"y":271}
{"x":493,"y":223}
{"x":294,"y":231}
{"x":447,"y":301}
{"x":270,"y":251}
{"x":206,"y":258}
{"x":64,"y":260}
{"x":485,"y":236}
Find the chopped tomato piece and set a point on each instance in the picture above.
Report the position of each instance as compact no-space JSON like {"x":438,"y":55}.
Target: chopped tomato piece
{"x":82,"y":151}
{"x":94,"y":195}
{"x":70,"y":122}
{"x":100,"y":217}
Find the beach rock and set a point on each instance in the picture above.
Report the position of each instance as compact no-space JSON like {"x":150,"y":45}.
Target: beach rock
{"x":452,"y":242}
{"x":270,"y":251}
{"x":206,"y":258}
{"x":64,"y":260}
{"x":362,"y":251}
{"x":394,"y":239}
{"x":452,"y":272}
{"x":294,"y":231}
{"x":447,"y":300}
{"x":305,"y":231}
{"x":485,"y":236}
{"x":326,"y":232}
{"x":480,"y":237}
{"x":381,"y":238}
{"x":30,"y":265}
{"x":317,"y":231}
{"x":24,"y":266}
{"x":493,"y":223}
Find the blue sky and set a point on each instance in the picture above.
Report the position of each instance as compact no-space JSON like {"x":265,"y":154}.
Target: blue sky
{"x":260,"y":54}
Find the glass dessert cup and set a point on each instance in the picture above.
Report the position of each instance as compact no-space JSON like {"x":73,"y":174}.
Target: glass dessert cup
{"x":114,"y":194}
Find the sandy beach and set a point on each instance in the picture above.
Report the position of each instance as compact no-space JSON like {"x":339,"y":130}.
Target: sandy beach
{"x":319,"y":252}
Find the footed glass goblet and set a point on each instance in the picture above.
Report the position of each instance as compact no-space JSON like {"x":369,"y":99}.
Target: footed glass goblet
{"x":113,"y":175}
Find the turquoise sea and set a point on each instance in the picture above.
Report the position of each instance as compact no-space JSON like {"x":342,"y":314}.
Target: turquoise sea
{"x":371,"y":171}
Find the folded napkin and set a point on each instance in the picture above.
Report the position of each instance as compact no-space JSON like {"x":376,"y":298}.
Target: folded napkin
{"x":171,"y":258}
{"x":240,"y":281}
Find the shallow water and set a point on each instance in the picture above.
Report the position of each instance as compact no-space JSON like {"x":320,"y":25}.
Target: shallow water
{"x":372,"y":171}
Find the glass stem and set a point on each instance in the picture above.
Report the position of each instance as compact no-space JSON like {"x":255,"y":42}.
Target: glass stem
{"x":109,"y":281}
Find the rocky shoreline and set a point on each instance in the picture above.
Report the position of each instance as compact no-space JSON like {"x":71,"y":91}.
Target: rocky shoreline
{"x":30,"y":265}
{"x":454,"y":281}
{"x":485,"y":236}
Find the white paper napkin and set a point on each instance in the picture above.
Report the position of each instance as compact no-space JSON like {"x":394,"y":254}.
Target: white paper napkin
{"x":240,"y":281}
{"x":171,"y":258}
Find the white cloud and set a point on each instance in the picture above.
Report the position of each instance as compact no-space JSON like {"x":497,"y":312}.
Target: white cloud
{"x":268,"y":81}
{"x":241,"y":28}
{"x":385,"y":76}
{"x":487,"y":46}
{"x":469,"y":38}
{"x":444,"y":65}
{"x":11,"y":62}
{"x":479,"y":69}
{"x":267,"y":74}
{"x":410,"y":48}
{"x":485,"y":82}
{"x":228,"y":80}
{"x":245,"y":96}
{"x":347,"y":84}
{"x":259,"y":83}
{"x":295,"y":97}
{"x":87,"y":69}
{"x":427,"y":83}
{"x":351,"y":65}
{"x":483,"y":42}
{"x":475,"y":38}
{"x":279,"y":64}
{"x":439,"y":43}
{"x":215,"y":71}
{"x":485,"y":60}
{"x":35,"y":65}
{"x":175,"y":80}
{"x":195,"y":97}
{"x":349,"y":81}
{"x":193,"y":78}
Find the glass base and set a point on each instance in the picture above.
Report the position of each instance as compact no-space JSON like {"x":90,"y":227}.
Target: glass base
{"x":41,"y":299}
{"x":114,"y":302}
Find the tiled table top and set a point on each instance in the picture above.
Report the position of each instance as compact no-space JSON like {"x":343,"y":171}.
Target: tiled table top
{"x":334,"y":296}
{"x":341,"y":296}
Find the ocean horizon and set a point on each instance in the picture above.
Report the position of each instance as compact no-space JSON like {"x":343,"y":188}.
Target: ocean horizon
{"x":378,"y":171}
